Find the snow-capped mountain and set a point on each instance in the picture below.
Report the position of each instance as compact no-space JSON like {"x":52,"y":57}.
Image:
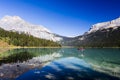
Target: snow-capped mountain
{"x":105,"y":25}
{"x":15,"y":23}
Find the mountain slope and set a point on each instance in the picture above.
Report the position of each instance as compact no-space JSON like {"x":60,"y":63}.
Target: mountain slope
{"x":105,"y":25}
{"x":4,"y":44}
{"x":15,"y":23}
{"x":24,"y":40}
{"x":104,"y":34}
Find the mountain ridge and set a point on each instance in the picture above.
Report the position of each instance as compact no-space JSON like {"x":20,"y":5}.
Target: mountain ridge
{"x":99,"y":35}
{"x":105,"y":34}
{"x":15,"y":23}
{"x":9,"y":38}
{"x":105,"y":25}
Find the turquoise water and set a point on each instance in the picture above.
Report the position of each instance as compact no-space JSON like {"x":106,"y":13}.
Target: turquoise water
{"x":68,"y":63}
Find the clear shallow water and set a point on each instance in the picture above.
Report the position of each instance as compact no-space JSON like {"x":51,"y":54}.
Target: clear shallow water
{"x":69,"y":63}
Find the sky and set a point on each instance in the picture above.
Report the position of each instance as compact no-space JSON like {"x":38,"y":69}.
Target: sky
{"x":63,"y":17}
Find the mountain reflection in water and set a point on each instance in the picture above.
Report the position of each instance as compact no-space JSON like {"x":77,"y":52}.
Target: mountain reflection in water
{"x":66,"y":69}
{"x":61,"y":64}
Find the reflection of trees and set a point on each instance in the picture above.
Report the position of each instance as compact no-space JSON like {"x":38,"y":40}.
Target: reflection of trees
{"x":38,"y":51}
{"x":15,"y":57}
{"x":25,"y":54}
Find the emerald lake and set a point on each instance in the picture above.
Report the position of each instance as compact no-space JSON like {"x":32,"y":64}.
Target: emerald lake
{"x":60,"y":64}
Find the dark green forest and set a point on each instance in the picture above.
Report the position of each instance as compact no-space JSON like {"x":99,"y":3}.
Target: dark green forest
{"x":22,"y":39}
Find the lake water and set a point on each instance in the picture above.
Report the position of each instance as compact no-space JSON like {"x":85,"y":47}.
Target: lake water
{"x":66,"y":63}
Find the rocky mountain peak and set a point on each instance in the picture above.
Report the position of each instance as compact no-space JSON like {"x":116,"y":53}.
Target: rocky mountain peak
{"x":15,"y":23}
{"x":105,"y":25}
{"x":11,"y":18}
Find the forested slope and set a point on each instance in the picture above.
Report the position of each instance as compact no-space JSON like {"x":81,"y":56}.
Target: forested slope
{"x":21,"y":39}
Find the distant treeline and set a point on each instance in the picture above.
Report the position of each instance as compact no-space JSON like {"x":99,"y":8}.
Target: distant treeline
{"x":22,"y":39}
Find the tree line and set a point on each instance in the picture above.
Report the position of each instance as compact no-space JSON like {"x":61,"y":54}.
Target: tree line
{"x":22,"y":39}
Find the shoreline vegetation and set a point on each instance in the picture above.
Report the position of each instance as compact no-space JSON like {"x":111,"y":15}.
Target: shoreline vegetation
{"x":14,"y":47}
{"x":11,"y":39}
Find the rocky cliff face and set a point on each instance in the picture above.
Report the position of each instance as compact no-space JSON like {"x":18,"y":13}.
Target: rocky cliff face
{"x":105,"y":34}
{"x":105,"y":25}
{"x":17,"y":24}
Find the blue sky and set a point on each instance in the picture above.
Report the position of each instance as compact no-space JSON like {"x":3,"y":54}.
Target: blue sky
{"x":64,"y":17}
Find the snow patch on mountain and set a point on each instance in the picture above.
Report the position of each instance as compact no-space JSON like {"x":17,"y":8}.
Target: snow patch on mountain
{"x":105,"y":25}
{"x":15,"y":23}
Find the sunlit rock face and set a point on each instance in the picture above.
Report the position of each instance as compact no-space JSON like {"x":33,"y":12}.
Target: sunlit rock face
{"x":105,"y":25}
{"x":15,"y":23}
{"x":105,"y":34}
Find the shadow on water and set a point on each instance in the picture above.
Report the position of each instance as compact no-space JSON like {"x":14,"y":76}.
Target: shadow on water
{"x":70,"y":68}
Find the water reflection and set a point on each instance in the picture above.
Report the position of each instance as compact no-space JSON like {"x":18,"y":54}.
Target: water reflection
{"x":104,"y":60}
{"x":24,"y":54}
{"x":18,"y":61}
{"x":66,"y":69}
{"x":101,"y":64}
{"x":17,"y":57}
